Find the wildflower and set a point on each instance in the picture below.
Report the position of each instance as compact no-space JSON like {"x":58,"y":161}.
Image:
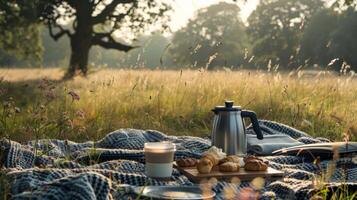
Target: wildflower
{"x":74,"y":95}
{"x":50,"y":95}
{"x":81,"y":114}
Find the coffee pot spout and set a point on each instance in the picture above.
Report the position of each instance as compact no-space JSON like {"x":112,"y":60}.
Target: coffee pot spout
{"x":215,"y":111}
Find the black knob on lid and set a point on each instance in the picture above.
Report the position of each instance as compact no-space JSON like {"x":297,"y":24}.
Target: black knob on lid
{"x":229,"y":104}
{"x":227,"y":107}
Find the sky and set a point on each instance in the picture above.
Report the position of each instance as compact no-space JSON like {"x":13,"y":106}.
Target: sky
{"x":185,"y":9}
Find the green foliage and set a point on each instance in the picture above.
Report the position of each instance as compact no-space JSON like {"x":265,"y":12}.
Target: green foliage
{"x":343,"y":38}
{"x":281,"y":33}
{"x":86,"y":23}
{"x":215,"y":37}
{"x":330,"y":36}
{"x":276,"y":27}
{"x":349,"y":2}
{"x":316,"y":40}
{"x":19,"y":31}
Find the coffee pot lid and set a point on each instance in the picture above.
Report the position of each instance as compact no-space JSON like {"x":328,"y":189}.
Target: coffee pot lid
{"x":227,"y":107}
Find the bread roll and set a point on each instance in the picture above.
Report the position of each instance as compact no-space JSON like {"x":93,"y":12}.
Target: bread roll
{"x":248,"y":158}
{"x":229,"y":167}
{"x":235,"y":159}
{"x":255,"y":165}
{"x":186,"y":162}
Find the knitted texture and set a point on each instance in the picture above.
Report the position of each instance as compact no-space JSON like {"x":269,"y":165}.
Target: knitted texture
{"x":63,"y":169}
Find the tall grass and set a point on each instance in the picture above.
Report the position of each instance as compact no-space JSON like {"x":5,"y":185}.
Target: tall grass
{"x":174,"y":102}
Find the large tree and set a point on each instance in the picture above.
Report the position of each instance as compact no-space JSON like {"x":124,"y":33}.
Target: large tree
{"x":215,"y":36}
{"x":106,"y":23}
{"x":276,"y":27}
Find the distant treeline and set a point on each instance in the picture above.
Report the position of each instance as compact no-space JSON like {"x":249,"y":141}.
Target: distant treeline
{"x":279,"y":34}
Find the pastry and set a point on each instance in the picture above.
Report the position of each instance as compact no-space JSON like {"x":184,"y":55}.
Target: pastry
{"x":255,"y":165}
{"x":209,"y":159}
{"x":218,"y":153}
{"x":235,"y":159}
{"x":229,"y":167}
{"x":204,"y":165}
{"x":186,"y":162}
{"x":249,"y":158}
{"x":212,"y":157}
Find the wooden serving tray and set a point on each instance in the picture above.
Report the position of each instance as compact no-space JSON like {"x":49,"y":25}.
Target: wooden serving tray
{"x":193,"y":175}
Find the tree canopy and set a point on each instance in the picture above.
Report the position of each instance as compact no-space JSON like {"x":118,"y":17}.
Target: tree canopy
{"x":330,"y":36}
{"x":19,"y":31}
{"x":96,"y":22}
{"x":282,"y":33}
{"x":215,"y":36}
{"x":276,"y":27}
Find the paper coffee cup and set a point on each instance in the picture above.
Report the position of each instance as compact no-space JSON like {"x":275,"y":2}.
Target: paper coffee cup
{"x":159,"y":157}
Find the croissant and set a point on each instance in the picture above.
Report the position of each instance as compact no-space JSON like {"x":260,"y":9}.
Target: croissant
{"x":204,"y":165}
{"x":212,"y":157}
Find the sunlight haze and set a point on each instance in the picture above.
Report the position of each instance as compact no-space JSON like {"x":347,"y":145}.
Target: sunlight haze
{"x":185,"y":9}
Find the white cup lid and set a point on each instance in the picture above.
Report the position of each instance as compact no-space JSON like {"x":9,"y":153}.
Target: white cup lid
{"x":159,"y":147}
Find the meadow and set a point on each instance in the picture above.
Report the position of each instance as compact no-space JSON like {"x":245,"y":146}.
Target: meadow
{"x":36,"y":103}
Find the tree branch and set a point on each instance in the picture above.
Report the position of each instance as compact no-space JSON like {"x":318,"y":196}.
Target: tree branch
{"x":58,"y":35}
{"x":108,"y":10}
{"x":110,"y":43}
{"x":72,"y":3}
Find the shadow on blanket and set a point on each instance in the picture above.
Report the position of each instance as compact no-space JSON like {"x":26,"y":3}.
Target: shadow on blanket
{"x":93,"y":170}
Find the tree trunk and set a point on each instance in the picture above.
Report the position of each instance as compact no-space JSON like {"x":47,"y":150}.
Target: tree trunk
{"x":81,"y":40}
{"x":79,"y":56}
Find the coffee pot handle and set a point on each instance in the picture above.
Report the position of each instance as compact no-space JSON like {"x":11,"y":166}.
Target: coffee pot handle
{"x":253,"y":118}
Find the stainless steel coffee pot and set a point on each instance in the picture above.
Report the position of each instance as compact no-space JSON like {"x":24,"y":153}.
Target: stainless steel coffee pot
{"x":228,"y":131}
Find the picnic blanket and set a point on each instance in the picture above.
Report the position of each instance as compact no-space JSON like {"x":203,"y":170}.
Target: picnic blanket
{"x":60,"y":169}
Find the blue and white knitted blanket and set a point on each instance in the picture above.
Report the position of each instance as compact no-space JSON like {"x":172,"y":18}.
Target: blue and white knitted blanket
{"x":58,"y":169}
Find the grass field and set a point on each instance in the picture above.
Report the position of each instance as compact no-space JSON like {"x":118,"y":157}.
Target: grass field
{"x":38,"y":104}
